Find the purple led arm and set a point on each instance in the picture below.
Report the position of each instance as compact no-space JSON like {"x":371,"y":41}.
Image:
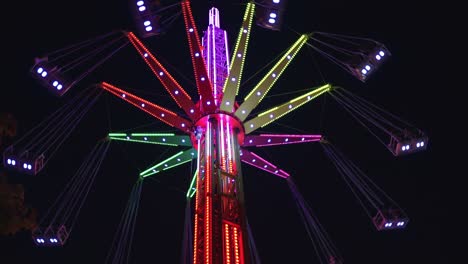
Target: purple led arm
{"x":259,"y":162}
{"x":263,"y":140}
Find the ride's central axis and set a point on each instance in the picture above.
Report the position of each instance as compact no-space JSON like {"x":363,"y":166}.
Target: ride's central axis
{"x":230,"y":123}
{"x":219,"y":207}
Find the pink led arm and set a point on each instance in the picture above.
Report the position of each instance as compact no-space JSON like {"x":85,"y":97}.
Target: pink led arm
{"x":259,"y":162}
{"x":263,"y":140}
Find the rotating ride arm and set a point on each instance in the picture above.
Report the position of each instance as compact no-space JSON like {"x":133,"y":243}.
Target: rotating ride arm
{"x":168,"y":139}
{"x":232,"y":83}
{"x":204,"y":86}
{"x":277,"y":112}
{"x":174,"y":161}
{"x":263,"y":87}
{"x":259,"y":162}
{"x":176,"y":91}
{"x":264,"y":140}
{"x":157,"y":111}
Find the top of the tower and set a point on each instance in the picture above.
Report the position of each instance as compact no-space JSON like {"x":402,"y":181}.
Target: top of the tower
{"x":214,"y":17}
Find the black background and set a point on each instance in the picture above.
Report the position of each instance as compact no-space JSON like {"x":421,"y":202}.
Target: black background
{"x":405,"y":86}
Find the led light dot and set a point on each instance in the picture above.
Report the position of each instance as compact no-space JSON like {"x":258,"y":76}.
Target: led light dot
{"x":378,"y":57}
{"x":145,"y":55}
{"x":190,"y":30}
{"x":55,"y":83}
{"x":367,"y":67}
{"x":142,"y":8}
{"x":40,"y":70}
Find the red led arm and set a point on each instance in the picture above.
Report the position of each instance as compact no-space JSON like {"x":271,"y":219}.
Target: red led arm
{"x":159,"y":112}
{"x":205,"y":89}
{"x":259,"y":162}
{"x":173,"y":88}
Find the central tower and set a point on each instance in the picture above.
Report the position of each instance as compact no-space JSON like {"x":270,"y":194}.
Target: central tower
{"x":220,"y":226}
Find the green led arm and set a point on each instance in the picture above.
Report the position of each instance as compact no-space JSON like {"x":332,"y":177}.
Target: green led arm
{"x":277,"y":112}
{"x":193,"y":185}
{"x":174,"y":161}
{"x":231,"y":85}
{"x":153,"y":138}
{"x":261,"y":89}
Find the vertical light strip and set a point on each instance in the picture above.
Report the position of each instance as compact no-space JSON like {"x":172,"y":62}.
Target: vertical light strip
{"x":227,"y":257}
{"x":227,"y":51}
{"x":197,"y":206}
{"x":207,"y":50}
{"x":236,"y":245}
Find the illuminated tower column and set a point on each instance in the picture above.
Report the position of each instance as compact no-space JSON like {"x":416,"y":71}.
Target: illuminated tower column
{"x":215,"y":52}
{"x":220,"y":233}
{"x":219,"y":221}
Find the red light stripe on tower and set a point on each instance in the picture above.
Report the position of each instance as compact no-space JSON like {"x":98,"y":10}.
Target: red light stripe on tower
{"x":178,"y":93}
{"x":205,"y":89}
{"x":159,"y":112}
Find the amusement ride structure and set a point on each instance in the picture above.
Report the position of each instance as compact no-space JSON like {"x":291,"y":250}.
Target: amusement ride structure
{"x":216,"y":128}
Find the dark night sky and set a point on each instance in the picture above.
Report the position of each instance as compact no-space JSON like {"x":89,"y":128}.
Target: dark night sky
{"x":401,"y":86}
